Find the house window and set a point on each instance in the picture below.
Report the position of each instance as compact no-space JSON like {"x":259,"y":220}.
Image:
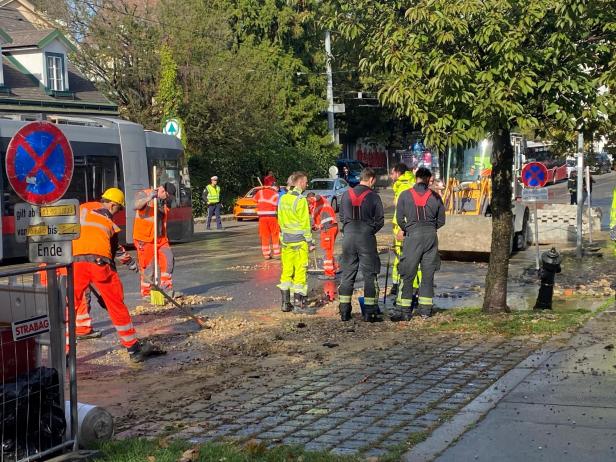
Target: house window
{"x":55,"y":71}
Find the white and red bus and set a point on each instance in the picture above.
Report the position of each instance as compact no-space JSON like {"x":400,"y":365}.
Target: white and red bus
{"x":108,"y":153}
{"x":540,"y":152}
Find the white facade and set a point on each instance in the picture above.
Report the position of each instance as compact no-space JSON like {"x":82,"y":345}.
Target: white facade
{"x":35,"y":61}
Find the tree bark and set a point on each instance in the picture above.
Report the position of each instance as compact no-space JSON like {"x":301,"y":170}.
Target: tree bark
{"x":495,"y":299}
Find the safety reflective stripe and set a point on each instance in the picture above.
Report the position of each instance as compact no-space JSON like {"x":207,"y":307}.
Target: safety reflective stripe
{"x":85,"y":222}
{"x":128,"y":338}
{"x":344,"y":298}
{"x":301,"y":289}
{"x":425,"y":300}
{"x":285,"y":285}
{"x":125,"y":327}
{"x":327,"y":220}
{"x":266,"y":213}
{"x":369,"y":300}
{"x":293,"y":237}
{"x":405,"y":302}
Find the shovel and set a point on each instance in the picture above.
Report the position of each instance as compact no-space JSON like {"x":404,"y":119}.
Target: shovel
{"x":156,"y":298}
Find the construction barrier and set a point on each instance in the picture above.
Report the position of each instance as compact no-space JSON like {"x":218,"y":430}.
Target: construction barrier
{"x":35,"y":352}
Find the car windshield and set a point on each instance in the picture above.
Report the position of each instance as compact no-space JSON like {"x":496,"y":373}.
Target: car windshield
{"x":571,"y":162}
{"x":322,"y":184}
{"x":252,"y":192}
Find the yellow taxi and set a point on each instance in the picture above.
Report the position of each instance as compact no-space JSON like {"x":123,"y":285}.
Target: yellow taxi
{"x":245,"y":208}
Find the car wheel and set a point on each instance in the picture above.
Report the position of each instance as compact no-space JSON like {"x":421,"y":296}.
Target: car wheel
{"x":335,"y":204}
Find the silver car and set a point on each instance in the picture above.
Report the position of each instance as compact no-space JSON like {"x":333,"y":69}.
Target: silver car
{"x":331,"y":189}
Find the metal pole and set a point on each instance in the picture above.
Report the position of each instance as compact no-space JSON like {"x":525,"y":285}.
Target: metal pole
{"x":330,"y":86}
{"x":589,"y":204}
{"x":537,"y":259}
{"x":72,"y":353}
{"x":580,"y":193}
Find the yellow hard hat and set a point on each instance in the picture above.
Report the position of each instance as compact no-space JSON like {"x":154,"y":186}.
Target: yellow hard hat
{"x":115,"y":195}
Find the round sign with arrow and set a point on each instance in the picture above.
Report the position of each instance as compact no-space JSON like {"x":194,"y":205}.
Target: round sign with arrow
{"x":173,"y":127}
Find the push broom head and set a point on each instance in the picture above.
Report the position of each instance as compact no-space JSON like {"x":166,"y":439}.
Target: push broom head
{"x":157,"y":297}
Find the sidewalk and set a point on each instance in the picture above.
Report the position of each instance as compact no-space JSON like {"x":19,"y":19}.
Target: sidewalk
{"x":563,"y":409}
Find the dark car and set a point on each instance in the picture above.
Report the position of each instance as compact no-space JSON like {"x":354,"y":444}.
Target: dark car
{"x":355,"y":167}
{"x":599,"y":163}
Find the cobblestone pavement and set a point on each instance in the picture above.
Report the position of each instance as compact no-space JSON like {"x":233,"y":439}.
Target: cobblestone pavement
{"x":366,"y":404}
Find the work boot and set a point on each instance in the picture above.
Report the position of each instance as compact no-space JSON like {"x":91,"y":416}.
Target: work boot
{"x":394,"y":290}
{"x":286,"y":301}
{"x":345,"y":312}
{"x":140,"y":351}
{"x":299,"y":304}
{"x":372,"y":313}
{"x":92,"y":334}
{"x":402,"y":313}
{"x":425,"y":311}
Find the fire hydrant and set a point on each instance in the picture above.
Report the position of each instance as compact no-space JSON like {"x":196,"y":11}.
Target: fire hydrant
{"x":550,"y":265}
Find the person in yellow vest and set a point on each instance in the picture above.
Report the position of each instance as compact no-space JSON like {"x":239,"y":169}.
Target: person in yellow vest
{"x":296,"y":240}
{"x":613,"y":219}
{"x":211,"y":196}
{"x":403,"y":179}
{"x":93,"y":262}
{"x":143,"y":236}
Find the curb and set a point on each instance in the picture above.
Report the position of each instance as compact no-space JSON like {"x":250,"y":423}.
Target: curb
{"x":445,"y":435}
{"x":226,"y":217}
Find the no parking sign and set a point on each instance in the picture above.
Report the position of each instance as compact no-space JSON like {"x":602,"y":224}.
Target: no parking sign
{"x":39,"y":163}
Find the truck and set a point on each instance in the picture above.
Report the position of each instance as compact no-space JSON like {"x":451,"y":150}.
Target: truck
{"x":467,"y":197}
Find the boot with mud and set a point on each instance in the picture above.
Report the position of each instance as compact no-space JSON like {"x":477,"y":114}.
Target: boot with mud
{"x":345,"y":312}
{"x":286,"y":305}
{"x":425,"y":311}
{"x":372,"y":313}
{"x":300,"y":305}
{"x":90,"y":335}
{"x":402,"y":313}
{"x":141,"y":350}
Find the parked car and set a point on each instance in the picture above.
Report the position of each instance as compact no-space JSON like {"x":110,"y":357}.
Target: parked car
{"x":245,"y":208}
{"x":331,"y":189}
{"x":599,"y":163}
{"x":571,"y":165}
{"x":355,"y":167}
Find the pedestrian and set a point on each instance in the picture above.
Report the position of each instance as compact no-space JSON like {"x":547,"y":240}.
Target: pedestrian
{"x":143,"y":236}
{"x":296,"y":240}
{"x":211,"y":196}
{"x":267,"y":211}
{"x":324,"y":220}
{"x":361,"y":217}
{"x":420,"y":212}
{"x":572,"y":187}
{"x":613,"y":219}
{"x":269,"y":179}
{"x":93,"y":262}
{"x":403,"y":179}
{"x":346,"y":173}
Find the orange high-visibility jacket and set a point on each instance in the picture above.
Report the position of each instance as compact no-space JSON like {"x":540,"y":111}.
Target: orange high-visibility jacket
{"x":96,"y":233}
{"x":143,"y":228}
{"x":323,"y":215}
{"x":267,"y":202}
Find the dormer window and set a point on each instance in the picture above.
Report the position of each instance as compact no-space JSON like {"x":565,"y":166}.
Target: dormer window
{"x":55,"y":71}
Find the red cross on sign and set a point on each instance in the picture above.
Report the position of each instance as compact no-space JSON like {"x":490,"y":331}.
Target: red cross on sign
{"x":39,"y":163}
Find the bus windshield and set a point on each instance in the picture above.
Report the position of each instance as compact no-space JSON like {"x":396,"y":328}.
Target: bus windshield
{"x":470,"y":164}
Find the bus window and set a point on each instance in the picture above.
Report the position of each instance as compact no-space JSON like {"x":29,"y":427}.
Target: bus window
{"x":169,"y":171}
{"x":92,"y":176}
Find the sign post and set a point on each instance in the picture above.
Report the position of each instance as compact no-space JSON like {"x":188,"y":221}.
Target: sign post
{"x":535,"y":176}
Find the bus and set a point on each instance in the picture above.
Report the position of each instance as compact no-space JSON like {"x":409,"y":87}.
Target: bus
{"x":107,"y":153}
{"x":537,"y":151}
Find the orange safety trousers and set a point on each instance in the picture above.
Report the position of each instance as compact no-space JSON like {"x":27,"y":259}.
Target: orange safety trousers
{"x":107,"y":283}
{"x":145,"y":257}
{"x":328,"y":241}
{"x":269,"y":231}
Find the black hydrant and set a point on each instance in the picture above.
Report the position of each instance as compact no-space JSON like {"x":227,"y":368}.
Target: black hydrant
{"x":550,"y":265}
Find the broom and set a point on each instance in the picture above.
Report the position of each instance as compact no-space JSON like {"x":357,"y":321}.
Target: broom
{"x":156,"y":297}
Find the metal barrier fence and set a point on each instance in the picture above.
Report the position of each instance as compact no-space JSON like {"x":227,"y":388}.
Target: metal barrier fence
{"x":35,"y":351}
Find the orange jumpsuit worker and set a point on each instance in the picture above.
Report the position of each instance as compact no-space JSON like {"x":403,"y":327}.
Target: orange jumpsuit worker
{"x":93,"y":257}
{"x":143,"y":236}
{"x":269,"y":231}
{"x":324,"y":220}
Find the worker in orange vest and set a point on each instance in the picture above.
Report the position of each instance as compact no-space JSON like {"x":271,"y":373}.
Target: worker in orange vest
{"x":93,"y":257}
{"x":324,"y":220}
{"x":269,"y":231}
{"x":143,"y":236}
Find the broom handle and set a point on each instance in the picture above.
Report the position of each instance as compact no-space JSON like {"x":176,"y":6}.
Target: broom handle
{"x":156,"y":281}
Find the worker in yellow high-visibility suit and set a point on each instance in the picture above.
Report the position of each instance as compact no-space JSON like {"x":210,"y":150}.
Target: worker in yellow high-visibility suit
{"x":296,"y":241}
{"x":613,"y":219}
{"x":403,"y":179}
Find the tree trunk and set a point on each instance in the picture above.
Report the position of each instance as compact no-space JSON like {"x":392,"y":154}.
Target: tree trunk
{"x":495,"y":299}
